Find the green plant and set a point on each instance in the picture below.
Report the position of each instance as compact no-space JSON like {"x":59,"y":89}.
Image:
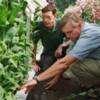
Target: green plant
{"x":87,"y":15}
{"x":15,"y":47}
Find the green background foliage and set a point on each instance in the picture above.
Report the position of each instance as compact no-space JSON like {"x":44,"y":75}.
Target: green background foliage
{"x":15,"y":47}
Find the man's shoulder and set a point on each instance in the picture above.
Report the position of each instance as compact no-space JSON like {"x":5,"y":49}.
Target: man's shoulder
{"x":90,"y":29}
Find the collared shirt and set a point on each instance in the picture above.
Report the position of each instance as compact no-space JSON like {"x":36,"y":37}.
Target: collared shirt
{"x":88,"y":44}
{"x":51,"y":38}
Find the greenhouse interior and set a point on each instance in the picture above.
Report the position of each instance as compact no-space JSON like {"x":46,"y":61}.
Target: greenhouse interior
{"x":49,"y":49}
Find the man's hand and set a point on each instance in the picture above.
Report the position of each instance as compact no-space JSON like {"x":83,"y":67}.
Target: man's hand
{"x":52,"y":82}
{"x":58,"y":51}
{"x":36,"y":68}
{"x":29,"y":85}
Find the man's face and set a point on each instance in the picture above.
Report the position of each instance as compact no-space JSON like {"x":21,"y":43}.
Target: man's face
{"x":72,"y":32}
{"x":48,"y":19}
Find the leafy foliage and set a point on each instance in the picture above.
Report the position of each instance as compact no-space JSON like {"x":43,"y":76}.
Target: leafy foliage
{"x":15,"y":47}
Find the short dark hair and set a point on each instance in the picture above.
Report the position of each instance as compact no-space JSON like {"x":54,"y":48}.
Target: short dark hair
{"x":50,"y":7}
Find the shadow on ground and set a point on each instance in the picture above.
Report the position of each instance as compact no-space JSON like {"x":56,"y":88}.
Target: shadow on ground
{"x":61,"y":91}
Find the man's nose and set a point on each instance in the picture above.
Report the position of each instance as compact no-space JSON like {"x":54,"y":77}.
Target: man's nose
{"x":46,"y":20}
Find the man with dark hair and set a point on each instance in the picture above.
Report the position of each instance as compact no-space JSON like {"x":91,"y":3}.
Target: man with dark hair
{"x":48,"y":31}
{"x":50,"y":7}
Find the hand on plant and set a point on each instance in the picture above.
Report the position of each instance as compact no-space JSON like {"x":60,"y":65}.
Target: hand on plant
{"x":58,"y":51}
{"x":29,"y":85}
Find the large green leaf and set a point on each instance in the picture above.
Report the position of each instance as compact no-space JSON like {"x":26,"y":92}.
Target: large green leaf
{"x":3,"y":15}
{"x":1,"y":2}
{"x":15,"y":47}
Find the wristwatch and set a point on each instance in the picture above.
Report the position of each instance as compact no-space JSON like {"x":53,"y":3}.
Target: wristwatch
{"x":36,"y":79}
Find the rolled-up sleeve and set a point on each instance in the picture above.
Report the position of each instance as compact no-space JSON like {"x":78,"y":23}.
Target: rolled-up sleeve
{"x":85,"y":45}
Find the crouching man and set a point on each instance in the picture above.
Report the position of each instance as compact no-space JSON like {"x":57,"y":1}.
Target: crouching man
{"x":83,"y":56}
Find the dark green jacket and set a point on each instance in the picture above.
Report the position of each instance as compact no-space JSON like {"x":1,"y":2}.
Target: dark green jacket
{"x":51,"y":38}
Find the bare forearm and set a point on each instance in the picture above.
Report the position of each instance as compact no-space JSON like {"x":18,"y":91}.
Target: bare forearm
{"x":57,"y":76}
{"x":55,"y":70}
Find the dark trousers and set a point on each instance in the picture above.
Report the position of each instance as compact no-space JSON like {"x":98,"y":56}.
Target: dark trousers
{"x":47,"y":59}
